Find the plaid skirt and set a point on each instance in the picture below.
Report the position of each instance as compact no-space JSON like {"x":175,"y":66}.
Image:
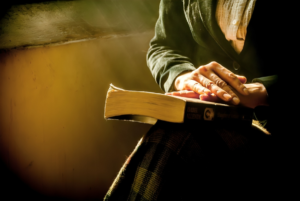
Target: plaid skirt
{"x":191,"y":162}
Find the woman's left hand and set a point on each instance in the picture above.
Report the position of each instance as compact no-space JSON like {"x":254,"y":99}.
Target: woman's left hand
{"x":257,"y":95}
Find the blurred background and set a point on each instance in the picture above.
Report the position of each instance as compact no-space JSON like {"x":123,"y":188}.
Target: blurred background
{"x":57,"y":59}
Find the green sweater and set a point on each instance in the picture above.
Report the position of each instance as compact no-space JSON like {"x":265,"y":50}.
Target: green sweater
{"x":187,"y":36}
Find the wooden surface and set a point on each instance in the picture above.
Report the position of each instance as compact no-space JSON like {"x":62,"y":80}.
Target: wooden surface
{"x":54,"y":141}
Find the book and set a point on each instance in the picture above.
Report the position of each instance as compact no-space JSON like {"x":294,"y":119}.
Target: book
{"x":148,"y":107}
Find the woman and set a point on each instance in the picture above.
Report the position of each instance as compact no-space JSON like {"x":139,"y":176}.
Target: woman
{"x":208,"y":49}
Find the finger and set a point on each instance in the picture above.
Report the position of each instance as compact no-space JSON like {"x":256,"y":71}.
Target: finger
{"x":242,"y":79}
{"x":223,"y":85}
{"x":213,"y":87}
{"x":211,"y":98}
{"x":221,"y":93}
{"x":235,"y":99}
{"x":228,"y":77}
{"x":219,"y":87}
{"x":184,"y":93}
{"x":233,"y":81}
{"x":197,"y":87}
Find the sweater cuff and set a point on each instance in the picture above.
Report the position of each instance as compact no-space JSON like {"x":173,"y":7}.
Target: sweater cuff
{"x":267,"y":81}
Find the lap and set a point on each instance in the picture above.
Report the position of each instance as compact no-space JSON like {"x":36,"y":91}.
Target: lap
{"x":181,"y":160}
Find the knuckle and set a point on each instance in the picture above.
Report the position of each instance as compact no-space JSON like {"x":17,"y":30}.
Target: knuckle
{"x":232,"y":76}
{"x":198,"y":88}
{"x":219,"y":92}
{"x":227,"y":89}
{"x":224,"y":70}
{"x":206,"y":83}
{"x":209,"y":84}
{"x":203,"y":69}
{"x":181,"y":86}
{"x":195,"y":86}
{"x":214,"y":64}
{"x":214,"y":77}
{"x":196,"y":74}
{"x":221,"y":83}
{"x":177,"y":82}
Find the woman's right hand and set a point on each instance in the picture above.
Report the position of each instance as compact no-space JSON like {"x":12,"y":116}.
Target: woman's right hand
{"x":211,"y":80}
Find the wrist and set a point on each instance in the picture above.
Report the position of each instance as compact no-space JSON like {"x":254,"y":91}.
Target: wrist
{"x":179,"y":79}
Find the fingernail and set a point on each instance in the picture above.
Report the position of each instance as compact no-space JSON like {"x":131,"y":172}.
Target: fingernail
{"x":245,"y":90}
{"x":227,"y":96}
{"x":235,"y":100}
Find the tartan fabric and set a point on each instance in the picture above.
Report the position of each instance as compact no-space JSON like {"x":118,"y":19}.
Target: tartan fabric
{"x":183,"y":162}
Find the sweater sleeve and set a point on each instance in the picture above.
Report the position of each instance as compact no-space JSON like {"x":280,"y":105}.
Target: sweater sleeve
{"x":262,"y":113}
{"x":171,"y":48}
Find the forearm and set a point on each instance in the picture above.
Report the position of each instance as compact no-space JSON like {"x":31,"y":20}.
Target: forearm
{"x":165,"y":65}
{"x":170,"y":50}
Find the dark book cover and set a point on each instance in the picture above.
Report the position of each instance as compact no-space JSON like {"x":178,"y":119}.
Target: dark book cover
{"x":195,"y":112}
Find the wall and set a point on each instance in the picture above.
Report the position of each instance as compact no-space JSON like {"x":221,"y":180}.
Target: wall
{"x":46,"y":22}
{"x":53,"y":137}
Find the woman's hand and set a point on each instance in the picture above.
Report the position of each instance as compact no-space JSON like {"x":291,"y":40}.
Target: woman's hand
{"x":257,"y":96}
{"x":211,"y":80}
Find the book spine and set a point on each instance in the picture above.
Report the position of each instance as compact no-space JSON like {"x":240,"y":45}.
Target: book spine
{"x":195,"y":112}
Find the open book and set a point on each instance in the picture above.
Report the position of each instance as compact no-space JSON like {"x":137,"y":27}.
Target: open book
{"x":148,"y":107}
